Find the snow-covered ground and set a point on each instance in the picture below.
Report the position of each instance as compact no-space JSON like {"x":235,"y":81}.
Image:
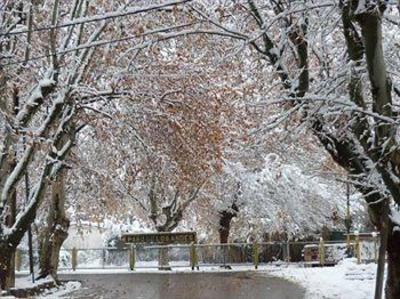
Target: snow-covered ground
{"x":54,"y":293}
{"x":60,"y":291}
{"x":347,"y":280}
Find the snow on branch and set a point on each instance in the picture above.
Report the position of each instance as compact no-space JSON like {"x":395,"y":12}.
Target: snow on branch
{"x":45,"y":86}
{"x":101,"y":17}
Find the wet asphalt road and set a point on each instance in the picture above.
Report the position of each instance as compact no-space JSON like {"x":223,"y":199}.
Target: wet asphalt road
{"x":225,"y":285}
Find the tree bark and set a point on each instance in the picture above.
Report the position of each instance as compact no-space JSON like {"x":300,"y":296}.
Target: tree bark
{"x":225,"y":219}
{"x":392,"y":288}
{"x":6,"y":266}
{"x":55,"y":232}
{"x":9,"y":279}
{"x":163,"y":254}
{"x":371,"y":30}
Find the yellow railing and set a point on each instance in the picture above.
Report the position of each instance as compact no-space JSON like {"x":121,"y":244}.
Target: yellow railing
{"x":195,"y":256}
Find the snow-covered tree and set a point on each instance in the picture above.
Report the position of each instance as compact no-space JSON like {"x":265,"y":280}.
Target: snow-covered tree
{"x":49,"y":82}
{"x":347,"y":99}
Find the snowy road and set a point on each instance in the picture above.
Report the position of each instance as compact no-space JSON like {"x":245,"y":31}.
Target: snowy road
{"x":236,"y":285}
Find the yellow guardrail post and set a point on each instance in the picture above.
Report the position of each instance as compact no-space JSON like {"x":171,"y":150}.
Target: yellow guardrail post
{"x":255,"y":255}
{"x":18,"y":260}
{"x":348,"y":242}
{"x":228,"y":254}
{"x":132,"y":256}
{"x":193,"y":256}
{"x":321,"y":251}
{"x":358,"y":249}
{"x":288,"y":252}
{"x":74,"y":258}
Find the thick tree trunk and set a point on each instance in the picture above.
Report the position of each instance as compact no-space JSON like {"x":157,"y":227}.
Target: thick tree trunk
{"x":55,"y":232}
{"x":6,"y":266}
{"x":8,"y":245}
{"x":392,"y":289}
{"x":11,"y":254}
{"x":8,"y":254}
{"x":225,"y":219}
{"x":224,"y":226}
{"x":163,"y":254}
{"x":371,"y":29}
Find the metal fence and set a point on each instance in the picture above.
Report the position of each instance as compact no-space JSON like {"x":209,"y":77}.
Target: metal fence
{"x":204,"y":255}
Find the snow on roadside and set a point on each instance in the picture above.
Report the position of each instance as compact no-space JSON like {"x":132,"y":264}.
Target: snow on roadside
{"x":60,"y":291}
{"x":25,"y":282}
{"x":347,"y":280}
{"x":56,"y":292}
